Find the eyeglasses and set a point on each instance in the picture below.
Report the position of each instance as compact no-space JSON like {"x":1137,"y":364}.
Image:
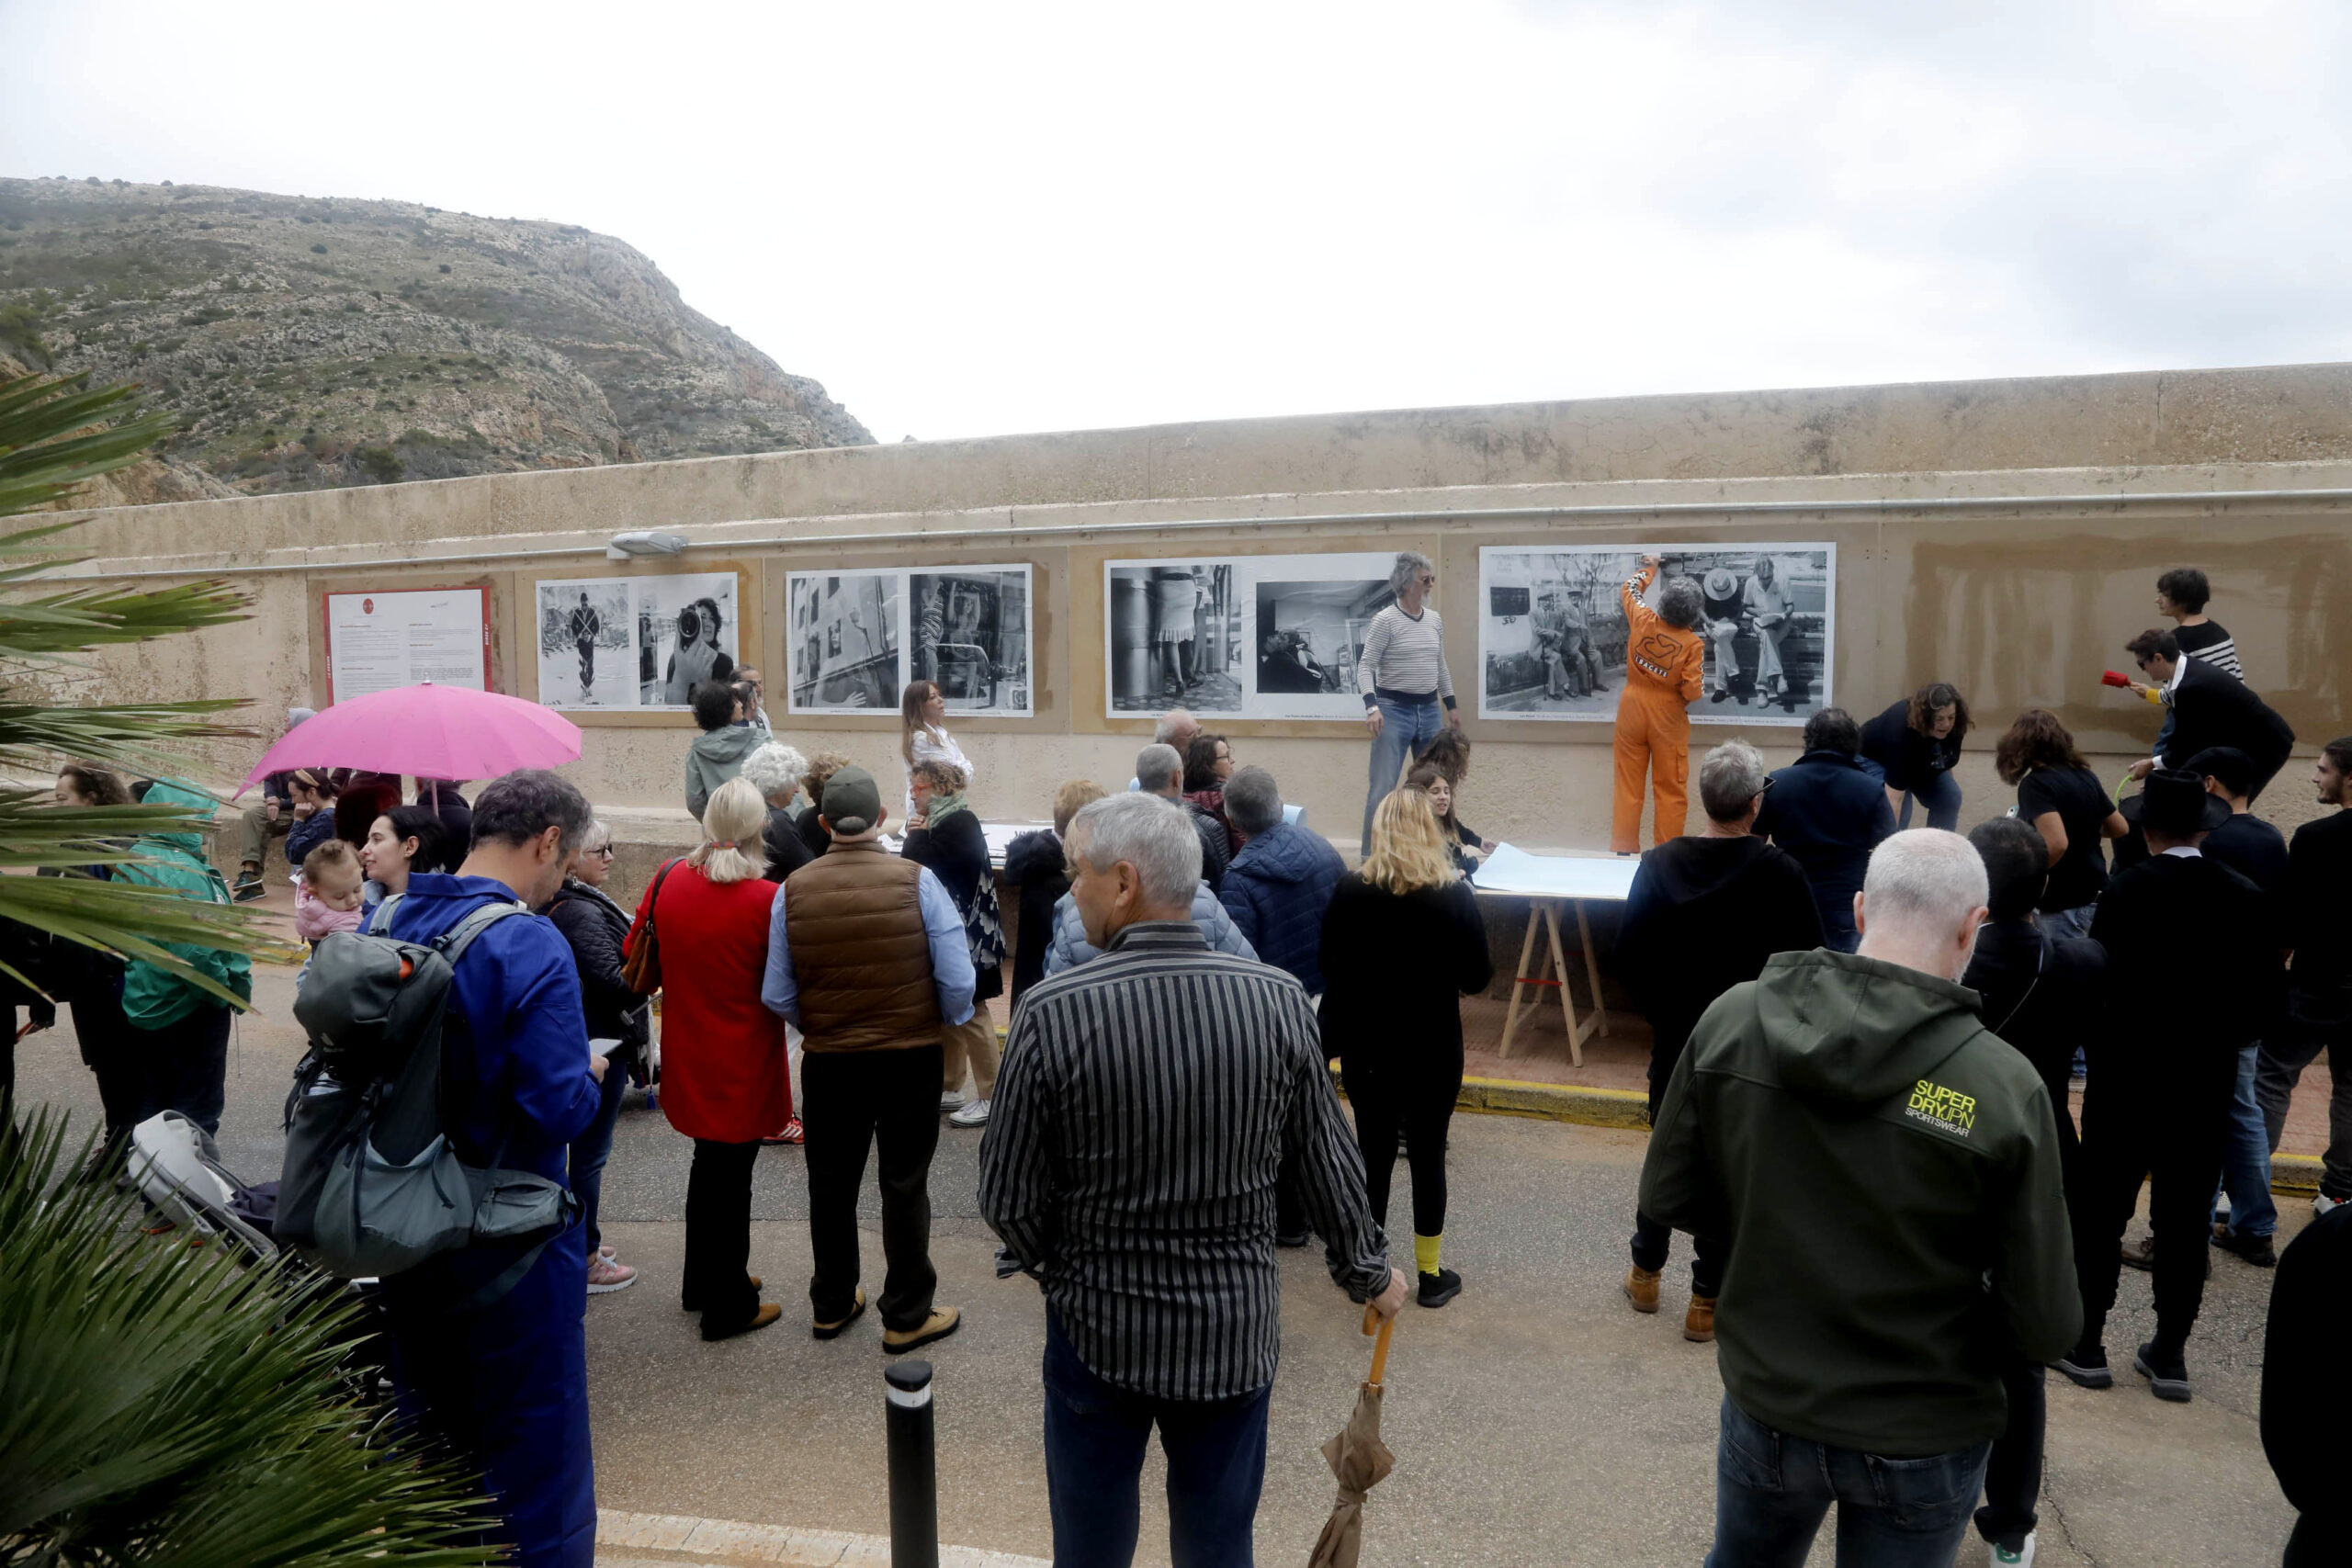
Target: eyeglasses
{"x":606,"y":850}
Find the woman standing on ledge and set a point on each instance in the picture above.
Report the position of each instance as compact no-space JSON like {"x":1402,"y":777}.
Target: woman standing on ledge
{"x":1402,"y":677}
{"x":923,"y":738}
{"x":1664,"y":653}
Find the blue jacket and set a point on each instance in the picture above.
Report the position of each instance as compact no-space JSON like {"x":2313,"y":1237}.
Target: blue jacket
{"x":307,"y":835}
{"x":517,"y":1072}
{"x":1069,"y":948}
{"x":1829,"y":814}
{"x":1276,"y":891}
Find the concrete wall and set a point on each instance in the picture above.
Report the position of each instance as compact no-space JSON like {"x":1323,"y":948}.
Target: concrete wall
{"x":1955,"y":562}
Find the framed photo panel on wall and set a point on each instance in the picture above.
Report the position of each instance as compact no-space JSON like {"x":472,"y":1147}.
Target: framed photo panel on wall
{"x":1551,"y":630}
{"x":636,"y":644}
{"x":854,"y":639}
{"x":1240,"y":636}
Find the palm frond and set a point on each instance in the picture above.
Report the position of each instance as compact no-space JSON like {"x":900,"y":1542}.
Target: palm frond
{"x":163,"y":1403}
{"x":48,"y":447}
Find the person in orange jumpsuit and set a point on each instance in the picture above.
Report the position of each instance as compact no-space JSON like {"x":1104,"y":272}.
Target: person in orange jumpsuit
{"x":1665,"y":655}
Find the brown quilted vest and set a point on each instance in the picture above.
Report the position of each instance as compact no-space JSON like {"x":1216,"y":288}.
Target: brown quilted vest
{"x":853,"y":918}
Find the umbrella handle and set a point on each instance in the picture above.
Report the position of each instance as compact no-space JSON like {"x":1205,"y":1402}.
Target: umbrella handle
{"x":1379,"y":1351}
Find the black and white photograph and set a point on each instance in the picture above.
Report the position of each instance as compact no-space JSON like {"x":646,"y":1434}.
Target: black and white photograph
{"x":1246,"y":637}
{"x":587,"y":645}
{"x":843,"y":641}
{"x":1176,"y":638}
{"x":686,"y":634}
{"x":1308,"y":633}
{"x":1551,"y":630}
{"x":968,"y":631}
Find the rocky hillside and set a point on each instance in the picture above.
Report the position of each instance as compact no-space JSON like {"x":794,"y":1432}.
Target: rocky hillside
{"x":304,"y":343}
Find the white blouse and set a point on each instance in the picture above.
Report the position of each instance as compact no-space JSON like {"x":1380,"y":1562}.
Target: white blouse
{"x":927,"y":749}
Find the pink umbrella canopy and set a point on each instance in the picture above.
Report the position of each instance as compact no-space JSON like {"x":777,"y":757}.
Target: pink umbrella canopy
{"x":429,"y":731}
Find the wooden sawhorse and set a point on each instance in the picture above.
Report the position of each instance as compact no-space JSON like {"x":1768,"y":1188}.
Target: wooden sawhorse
{"x":1545,"y":912}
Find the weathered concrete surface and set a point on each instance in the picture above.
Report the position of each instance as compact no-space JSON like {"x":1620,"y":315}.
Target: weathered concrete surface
{"x":1536,"y":1419}
{"x":2021,"y":605}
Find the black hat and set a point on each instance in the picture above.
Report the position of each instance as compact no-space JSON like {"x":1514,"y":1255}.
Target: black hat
{"x":2232,"y":767}
{"x":2174,"y":802}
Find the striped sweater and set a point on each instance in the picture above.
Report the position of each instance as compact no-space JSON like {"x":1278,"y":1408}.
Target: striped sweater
{"x":1145,"y":1107}
{"x":2210,"y":641}
{"x":1404,"y":654}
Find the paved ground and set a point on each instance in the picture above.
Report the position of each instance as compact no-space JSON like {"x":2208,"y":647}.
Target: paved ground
{"x":1537,"y":1420}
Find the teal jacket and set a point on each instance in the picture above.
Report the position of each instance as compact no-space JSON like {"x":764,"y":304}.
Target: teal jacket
{"x":152,"y":996}
{"x":717,"y":756}
{"x":1884,"y":1169}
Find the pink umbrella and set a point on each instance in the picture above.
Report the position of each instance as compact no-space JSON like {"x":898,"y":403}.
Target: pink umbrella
{"x":436,"y":732}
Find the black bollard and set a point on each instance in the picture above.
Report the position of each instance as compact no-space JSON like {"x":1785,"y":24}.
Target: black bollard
{"x":914,"y":1467}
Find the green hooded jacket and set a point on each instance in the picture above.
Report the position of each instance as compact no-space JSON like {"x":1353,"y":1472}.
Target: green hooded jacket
{"x":717,"y":756}
{"x":1884,"y":1169}
{"x":154,"y":998}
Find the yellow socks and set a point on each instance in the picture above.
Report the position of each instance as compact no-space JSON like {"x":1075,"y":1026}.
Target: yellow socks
{"x":1425,"y":1248}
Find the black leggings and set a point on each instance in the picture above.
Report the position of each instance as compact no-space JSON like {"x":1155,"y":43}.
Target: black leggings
{"x":1417,"y":1099}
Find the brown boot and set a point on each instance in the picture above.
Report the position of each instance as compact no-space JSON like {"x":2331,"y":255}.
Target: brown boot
{"x":1699,"y":1323}
{"x":1640,"y":1288}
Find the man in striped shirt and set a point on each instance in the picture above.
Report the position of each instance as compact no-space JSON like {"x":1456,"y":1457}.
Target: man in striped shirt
{"x":1402,"y":676}
{"x":1146,"y":1107}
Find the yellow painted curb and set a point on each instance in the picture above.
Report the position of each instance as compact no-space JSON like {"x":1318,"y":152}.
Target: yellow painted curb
{"x":2293,"y":1174}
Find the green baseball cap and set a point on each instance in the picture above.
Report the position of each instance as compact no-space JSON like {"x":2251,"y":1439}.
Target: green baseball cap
{"x":852,"y":803}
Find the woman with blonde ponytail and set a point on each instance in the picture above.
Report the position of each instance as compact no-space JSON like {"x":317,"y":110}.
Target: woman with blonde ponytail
{"x":1403,"y":942}
{"x":724,"y":1078}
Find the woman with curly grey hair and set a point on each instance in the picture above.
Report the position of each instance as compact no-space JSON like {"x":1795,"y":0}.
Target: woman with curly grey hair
{"x":1665,"y":655}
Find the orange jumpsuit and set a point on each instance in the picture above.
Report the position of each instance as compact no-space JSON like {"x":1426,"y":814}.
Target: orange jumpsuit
{"x":1663,"y":677}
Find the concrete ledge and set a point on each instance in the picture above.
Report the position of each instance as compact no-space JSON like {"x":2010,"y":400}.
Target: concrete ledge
{"x":639,"y":1540}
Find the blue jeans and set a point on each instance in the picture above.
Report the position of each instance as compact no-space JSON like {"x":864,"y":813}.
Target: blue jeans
{"x":1772,"y":1491}
{"x":1404,"y":728}
{"x":2058,"y":925}
{"x":2245,"y":1157}
{"x":593,"y":1146}
{"x":1096,"y":1436}
{"x":1940,"y":794}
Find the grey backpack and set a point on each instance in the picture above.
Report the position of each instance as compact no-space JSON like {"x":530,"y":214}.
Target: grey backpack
{"x":372,"y":1184}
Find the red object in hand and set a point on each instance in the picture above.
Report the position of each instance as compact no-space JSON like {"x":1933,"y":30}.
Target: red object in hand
{"x":2109,"y":678}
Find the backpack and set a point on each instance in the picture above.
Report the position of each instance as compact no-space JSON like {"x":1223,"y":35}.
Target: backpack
{"x":372,"y":1185}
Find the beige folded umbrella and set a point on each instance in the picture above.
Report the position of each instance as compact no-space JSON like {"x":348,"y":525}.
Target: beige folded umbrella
{"x":1358,"y":1459}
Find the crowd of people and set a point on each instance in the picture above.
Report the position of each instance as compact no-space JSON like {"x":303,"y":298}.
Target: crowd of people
{"x":1862,"y":1032}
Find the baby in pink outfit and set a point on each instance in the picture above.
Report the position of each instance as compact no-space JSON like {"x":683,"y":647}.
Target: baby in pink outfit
{"x":326,"y":895}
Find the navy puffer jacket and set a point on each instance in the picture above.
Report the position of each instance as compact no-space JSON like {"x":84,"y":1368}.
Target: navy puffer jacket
{"x":1276,"y":891}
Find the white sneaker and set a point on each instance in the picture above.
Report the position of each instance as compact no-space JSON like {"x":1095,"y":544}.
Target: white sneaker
{"x":973,"y":1115}
{"x":2023,"y":1557}
{"x":951,"y":1101}
{"x":2322,"y":1203}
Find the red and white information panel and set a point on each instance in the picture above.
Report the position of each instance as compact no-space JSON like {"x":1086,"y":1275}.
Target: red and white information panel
{"x":378,"y":641}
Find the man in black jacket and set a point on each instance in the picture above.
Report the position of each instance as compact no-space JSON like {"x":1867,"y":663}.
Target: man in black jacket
{"x":2210,"y":707}
{"x":2189,"y":947}
{"x":2306,"y":1389}
{"x":2041,"y":993}
{"x":1704,"y":914}
{"x":2317,"y":914}
{"x":2258,"y":852}
{"x":1829,"y":814}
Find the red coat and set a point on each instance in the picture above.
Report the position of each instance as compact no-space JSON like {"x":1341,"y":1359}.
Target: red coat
{"x":723,"y":1069}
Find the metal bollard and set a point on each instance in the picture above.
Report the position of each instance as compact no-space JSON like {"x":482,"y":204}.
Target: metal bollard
{"x":914,"y":1467}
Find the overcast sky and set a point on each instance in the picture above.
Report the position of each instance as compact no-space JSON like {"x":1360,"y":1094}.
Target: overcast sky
{"x":973,"y":219}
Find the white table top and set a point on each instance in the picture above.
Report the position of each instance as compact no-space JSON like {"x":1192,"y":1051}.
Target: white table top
{"x":1511,"y":872}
